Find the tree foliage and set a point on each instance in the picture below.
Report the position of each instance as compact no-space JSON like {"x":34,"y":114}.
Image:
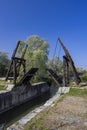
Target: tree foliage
{"x":4,"y":63}
{"x":56,"y":64}
{"x":37,"y":55}
{"x":84,"y":76}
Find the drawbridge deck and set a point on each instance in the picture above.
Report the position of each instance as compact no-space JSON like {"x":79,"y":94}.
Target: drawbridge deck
{"x":54,"y":76}
{"x":27,"y":77}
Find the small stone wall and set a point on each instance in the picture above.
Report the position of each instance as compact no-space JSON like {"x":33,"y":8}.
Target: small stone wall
{"x":21,"y":94}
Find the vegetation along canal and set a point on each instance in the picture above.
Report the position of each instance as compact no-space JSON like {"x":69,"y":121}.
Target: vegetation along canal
{"x":9,"y":117}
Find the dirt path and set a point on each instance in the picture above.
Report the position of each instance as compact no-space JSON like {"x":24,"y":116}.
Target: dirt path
{"x":70,"y":114}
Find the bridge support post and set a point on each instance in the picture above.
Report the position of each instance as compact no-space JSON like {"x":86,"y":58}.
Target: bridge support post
{"x":65,"y":71}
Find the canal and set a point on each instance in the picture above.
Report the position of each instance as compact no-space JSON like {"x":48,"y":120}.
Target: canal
{"x":13,"y":115}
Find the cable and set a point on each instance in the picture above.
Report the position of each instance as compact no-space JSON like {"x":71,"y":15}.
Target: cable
{"x":55,"y":51}
{"x":59,"y":51}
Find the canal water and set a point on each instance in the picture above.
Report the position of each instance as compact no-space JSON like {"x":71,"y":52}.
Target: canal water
{"x":13,"y":115}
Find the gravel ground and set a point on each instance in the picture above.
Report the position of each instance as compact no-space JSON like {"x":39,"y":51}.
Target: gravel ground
{"x":70,"y":114}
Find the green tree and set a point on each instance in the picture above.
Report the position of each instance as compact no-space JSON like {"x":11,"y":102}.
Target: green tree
{"x":84,"y":76}
{"x":4,"y":63}
{"x":37,"y":55}
{"x":56,"y":64}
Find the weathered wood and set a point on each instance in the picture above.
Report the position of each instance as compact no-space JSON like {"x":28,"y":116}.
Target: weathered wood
{"x":77,"y":78}
{"x":13,"y":55}
{"x":22,"y":57}
{"x":23,"y":54}
{"x":65,"y":71}
{"x":16,"y":63}
{"x":54,"y":76}
{"x":14,"y":71}
{"x":26,"y":78}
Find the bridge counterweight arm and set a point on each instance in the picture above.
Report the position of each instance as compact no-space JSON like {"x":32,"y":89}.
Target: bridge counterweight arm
{"x":77,"y":78}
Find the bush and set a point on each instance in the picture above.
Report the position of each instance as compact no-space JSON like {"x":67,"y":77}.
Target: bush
{"x":84,"y":77}
{"x":4,"y":63}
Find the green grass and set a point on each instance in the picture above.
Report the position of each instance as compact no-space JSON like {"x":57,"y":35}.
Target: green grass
{"x":3,"y":81}
{"x":77,"y":92}
{"x":36,"y":124}
{"x":2,"y":87}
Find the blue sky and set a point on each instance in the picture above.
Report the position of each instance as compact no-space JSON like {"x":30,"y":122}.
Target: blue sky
{"x":49,"y":19}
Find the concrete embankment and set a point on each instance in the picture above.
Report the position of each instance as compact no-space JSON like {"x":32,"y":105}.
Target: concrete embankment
{"x":19,"y":125}
{"x":20,"y":95}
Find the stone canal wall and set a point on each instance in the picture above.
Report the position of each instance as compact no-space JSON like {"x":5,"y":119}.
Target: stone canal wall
{"x":21,"y":94}
{"x":19,"y":125}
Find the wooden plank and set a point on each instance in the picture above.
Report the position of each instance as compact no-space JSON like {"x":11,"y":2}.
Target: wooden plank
{"x":77,"y":78}
{"x":13,"y":55}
